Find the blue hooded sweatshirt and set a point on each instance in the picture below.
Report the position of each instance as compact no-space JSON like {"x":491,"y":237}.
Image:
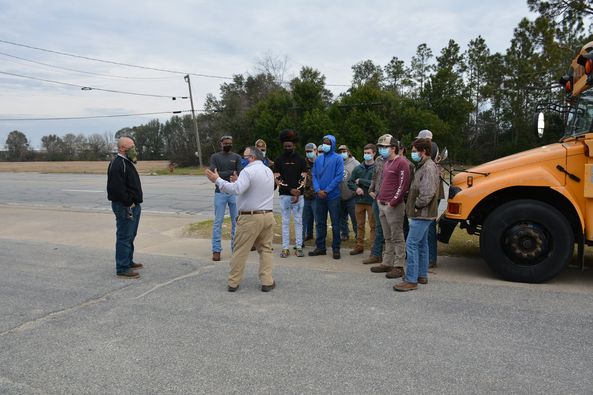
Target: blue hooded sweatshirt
{"x":328,"y":171}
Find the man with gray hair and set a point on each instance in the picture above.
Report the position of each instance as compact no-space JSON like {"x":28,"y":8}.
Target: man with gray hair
{"x":124,"y":190}
{"x":255,"y":225}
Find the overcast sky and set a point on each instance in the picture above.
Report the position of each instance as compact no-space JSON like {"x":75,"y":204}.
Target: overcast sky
{"x":218,"y":38}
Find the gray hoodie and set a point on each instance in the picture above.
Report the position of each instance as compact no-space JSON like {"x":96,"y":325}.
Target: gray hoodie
{"x":349,"y":166}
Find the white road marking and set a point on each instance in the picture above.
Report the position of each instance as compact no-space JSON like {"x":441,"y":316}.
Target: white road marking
{"x":82,"y":190}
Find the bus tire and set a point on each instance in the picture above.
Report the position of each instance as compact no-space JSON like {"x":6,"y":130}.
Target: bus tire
{"x":526,"y":241}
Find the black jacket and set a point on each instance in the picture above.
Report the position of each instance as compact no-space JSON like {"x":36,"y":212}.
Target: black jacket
{"x":123,"y":182}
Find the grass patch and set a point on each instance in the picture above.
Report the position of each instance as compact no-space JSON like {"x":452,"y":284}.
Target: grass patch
{"x":182,"y":171}
{"x":461,"y":243}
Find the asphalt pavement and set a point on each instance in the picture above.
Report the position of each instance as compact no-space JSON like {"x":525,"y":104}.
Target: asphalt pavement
{"x":68,"y":325}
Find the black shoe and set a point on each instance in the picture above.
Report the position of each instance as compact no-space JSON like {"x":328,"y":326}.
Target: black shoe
{"x":129,"y":274}
{"x":336,"y":254}
{"x":316,"y":252}
{"x":232,"y":289}
{"x":268,"y":288}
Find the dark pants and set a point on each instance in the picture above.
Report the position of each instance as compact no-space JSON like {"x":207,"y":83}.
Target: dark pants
{"x":348,"y":209}
{"x":308,"y":218}
{"x":322,"y":207}
{"x":126,"y":230}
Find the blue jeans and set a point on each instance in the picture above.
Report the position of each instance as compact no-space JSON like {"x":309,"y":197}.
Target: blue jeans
{"x":221,"y":200}
{"x":126,"y":229}
{"x":432,"y":242}
{"x":308,"y":218}
{"x":322,"y":207}
{"x":286,"y":206}
{"x":377,"y":248}
{"x":348,"y":209}
{"x":417,"y":249}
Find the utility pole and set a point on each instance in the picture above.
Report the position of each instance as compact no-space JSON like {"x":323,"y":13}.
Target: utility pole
{"x":193,"y":115}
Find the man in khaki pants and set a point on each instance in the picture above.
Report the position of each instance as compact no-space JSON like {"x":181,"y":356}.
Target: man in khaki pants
{"x":255,"y":190}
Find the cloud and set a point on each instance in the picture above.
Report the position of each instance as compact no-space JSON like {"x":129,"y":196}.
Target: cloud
{"x":221,"y":38}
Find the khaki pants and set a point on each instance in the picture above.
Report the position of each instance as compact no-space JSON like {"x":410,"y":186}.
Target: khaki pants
{"x":253,"y":230}
{"x":362,"y":211}
{"x":392,"y":223}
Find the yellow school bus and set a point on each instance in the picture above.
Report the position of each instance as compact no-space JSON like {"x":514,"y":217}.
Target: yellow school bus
{"x":532,"y":208}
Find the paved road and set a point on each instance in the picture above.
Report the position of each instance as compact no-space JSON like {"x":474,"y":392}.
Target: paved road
{"x":166,"y":194}
{"x":68,"y":325}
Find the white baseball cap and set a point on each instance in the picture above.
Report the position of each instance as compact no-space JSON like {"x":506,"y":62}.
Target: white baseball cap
{"x":424,"y":134}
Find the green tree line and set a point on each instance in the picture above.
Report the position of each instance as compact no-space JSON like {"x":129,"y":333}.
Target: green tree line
{"x":478,"y":104}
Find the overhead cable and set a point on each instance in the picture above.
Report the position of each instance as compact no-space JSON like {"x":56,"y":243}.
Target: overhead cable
{"x":88,"y":88}
{"x":82,"y":71}
{"x":131,"y":65}
{"x":93,"y":116}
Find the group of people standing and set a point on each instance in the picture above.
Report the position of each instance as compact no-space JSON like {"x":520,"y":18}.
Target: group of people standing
{"x":403,"y":195}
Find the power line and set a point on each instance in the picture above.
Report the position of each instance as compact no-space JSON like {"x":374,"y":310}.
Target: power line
{"x":114,"y":62}
{"x":88,"y":88}
{"x":131,"y":65}
{"x":82,"y":71}
{"x":93,"y":116}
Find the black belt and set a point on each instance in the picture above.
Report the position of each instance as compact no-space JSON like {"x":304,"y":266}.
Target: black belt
{"x":254,"y":212}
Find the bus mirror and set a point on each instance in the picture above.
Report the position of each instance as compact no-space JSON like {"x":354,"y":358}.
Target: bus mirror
{"x":441,"y":156}
{"x":540,"y":125}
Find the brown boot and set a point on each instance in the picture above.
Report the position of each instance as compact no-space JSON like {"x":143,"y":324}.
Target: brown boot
{"x":422,"y":280}
{"x":216,"y":256}
{"x":405,"y":286}
{"x":357,"y":250}
{"x":372,"y":259}
{"x":381,"y":269}
{"x":396,"y":272}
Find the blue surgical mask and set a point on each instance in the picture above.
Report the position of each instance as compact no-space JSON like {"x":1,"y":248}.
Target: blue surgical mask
{"x":416,"y":156}
{"x":368,"y":157}
{"x":344,"y":155}
{"x":244,"y":162}
{"x":326,"y":147}
{"x":384,"y":152}
{"x":311,"y":155}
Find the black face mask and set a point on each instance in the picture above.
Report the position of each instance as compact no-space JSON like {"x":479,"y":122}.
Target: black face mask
{"x":227,"y":148}
{"x":288,"y":151}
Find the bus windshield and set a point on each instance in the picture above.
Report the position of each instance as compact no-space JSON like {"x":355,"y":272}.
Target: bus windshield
{"x":580,"y":116}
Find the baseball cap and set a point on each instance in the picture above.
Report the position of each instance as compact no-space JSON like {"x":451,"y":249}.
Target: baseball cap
{"x":310,"y":146}
{"x":424,"y":134}
{"x":388,"y":140}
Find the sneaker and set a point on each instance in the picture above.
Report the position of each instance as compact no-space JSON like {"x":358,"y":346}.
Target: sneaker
{"x":396,"y":272}
{"x":381,"y":269}
{"x":317,"y":252}
{"x":299,"y":252}
{"x":405,"y":286}
{"x":285,"y":253}
{"x":372,"y":259}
